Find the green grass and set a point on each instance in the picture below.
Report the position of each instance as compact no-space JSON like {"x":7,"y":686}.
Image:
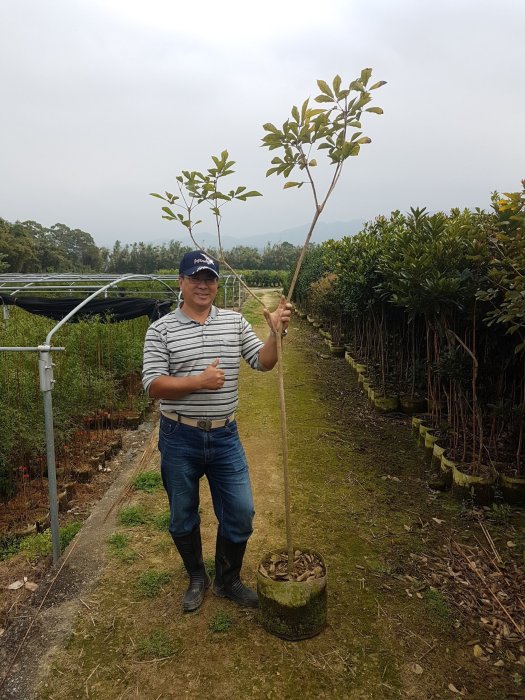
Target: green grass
{"x":118,"y":541}
{"x":500,"y":514}
{"x":221,"y":622}
{"x":119,"y":547}
{"x":9,"y":546}
{"x":162,"y":520}
{"x":133,"y":515}
{"x":157,"y":646}
{"x":150,"y":583}
{"x":209,"y":565}
{"x":40,"y":545}
{"x":163,"y":546}
{"x":68,"y":532}
{"x":251,"y":311}
{"x":150,"y":482}
{"x":439,"y":608}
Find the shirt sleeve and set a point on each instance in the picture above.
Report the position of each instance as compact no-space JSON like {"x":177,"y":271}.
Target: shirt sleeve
{"x":251,"y":346}
{"x":156,"y":361}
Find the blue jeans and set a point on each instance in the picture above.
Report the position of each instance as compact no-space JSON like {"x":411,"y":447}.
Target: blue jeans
{"x":189,"y":453}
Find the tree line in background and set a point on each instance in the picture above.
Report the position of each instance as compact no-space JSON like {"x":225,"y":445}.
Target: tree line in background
{"x":27,"y":246}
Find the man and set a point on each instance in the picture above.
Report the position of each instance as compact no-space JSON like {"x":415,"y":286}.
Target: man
{"x":191,"y":363}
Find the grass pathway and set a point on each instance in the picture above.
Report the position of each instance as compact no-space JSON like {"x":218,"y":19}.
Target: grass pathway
{"x":356,"y":497}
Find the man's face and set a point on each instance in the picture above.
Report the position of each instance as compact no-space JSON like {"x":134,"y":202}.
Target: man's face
{"x":199,"y":290}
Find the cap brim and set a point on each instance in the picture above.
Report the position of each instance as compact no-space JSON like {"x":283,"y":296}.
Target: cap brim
{"x":198,"y":268}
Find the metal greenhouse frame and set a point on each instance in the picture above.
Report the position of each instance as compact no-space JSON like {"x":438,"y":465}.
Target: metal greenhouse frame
{"x":97,"y":284}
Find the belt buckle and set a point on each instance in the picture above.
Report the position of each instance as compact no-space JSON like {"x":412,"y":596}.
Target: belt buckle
{"x":204,"y":424}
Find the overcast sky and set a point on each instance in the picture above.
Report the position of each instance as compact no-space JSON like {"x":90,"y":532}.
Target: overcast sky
{"x":104,"y":101}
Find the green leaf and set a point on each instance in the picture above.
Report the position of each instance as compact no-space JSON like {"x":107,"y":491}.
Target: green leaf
{"x":337,"y":84}
{"x":168,"y":211}
{"x":364,"y":139}
{"x":312,"y":163}
{"x":349,"y":148}
{"x":287,"y":185}
{"x":304,"y":109}
{"x":295,"y":113}
{"x":323,"y":98}
{"x":159,"y":196}
{"x":252,"y":193}
{"x":323,"y":86}
{"x":377,"y":85}
{"x":366,"y":73}
{"x":357,"y":85}
{"x":270,"y":127}
{"x":375,"y":110}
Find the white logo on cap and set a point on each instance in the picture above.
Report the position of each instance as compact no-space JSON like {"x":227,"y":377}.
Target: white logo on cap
{"x":204,"y":259}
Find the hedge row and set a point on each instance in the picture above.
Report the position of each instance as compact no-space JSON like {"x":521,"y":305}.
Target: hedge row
{"x":434,"y":304}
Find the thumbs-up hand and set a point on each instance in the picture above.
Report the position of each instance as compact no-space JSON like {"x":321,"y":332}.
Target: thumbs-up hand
{"x":212,"y":377}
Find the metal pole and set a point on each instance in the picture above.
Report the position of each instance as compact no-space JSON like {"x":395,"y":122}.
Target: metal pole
{"x":45,"y":367}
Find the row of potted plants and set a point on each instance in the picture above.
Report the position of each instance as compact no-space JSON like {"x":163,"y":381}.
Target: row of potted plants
{"x":480,"y":484}
{"x":433,"y":305}
{"x":380,"y":399}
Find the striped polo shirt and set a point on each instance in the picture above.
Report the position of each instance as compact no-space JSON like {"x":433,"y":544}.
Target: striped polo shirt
{"x":179,"y":346}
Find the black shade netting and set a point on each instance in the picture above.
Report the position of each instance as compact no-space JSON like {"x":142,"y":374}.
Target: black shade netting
{"x":109,"y":310}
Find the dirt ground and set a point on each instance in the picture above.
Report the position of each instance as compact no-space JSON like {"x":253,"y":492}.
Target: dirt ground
{"x":112,"y":627}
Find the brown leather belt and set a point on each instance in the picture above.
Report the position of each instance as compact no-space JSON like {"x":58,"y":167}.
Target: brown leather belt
{"x":202,"y":424}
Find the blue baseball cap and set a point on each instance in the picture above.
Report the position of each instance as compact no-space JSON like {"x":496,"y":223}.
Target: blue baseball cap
{"x":195,"y":262}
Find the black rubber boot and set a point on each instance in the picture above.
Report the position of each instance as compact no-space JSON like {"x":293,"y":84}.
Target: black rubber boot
{"x":190,"y":549}
{"x":228,"y":584}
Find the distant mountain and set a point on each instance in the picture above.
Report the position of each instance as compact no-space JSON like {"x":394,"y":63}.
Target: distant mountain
{"x":324,"y":231}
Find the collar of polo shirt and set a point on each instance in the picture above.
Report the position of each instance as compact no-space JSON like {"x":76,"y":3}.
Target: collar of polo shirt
{"x":182,"y":318}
